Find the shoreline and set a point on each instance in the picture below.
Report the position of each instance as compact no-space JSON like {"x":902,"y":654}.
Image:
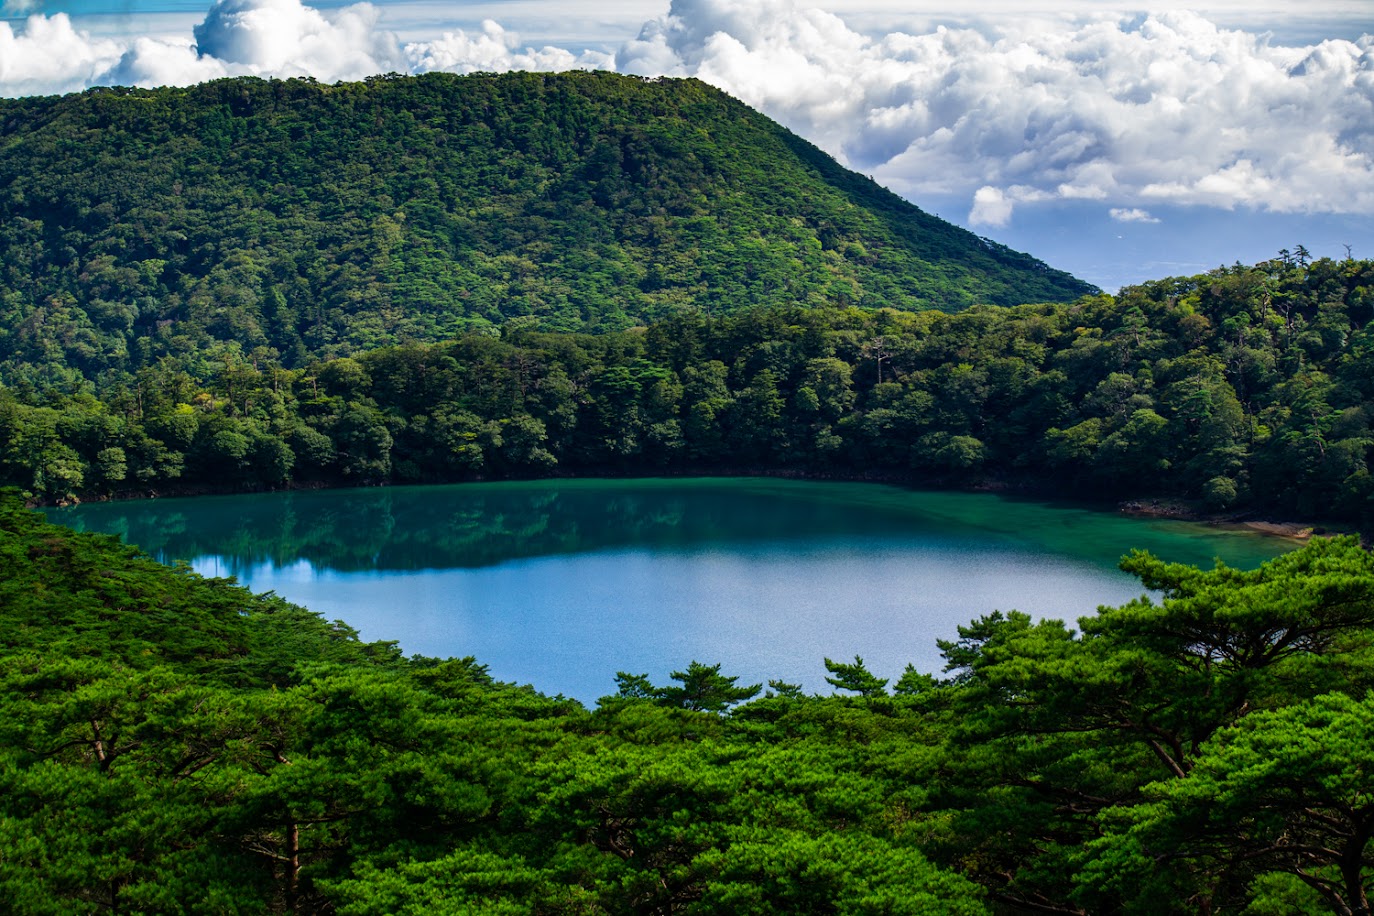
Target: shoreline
{"x":1185,"y":511}
{"x":1166,"y":508}
{"x":1294,"y":530}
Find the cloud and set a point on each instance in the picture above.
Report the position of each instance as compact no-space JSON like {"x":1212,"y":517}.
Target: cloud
{"x":1135,"y":112}
{"x":1165,"y":108}
{"x":278,"y":38}
{"x":237,"y":37}
{"x":149,"y":62}
{"x":1131,"y":215}
{"x":990,"y":207}
{"x":994,"y":206}
{"x":49,"y":56}
{"x":495,"y":50}
{"x":286,"y":38}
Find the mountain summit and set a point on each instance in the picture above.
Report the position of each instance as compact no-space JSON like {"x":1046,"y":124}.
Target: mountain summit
{"x":321,"y":220}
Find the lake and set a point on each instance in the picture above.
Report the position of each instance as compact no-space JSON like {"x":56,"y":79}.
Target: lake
{"x":562,"y":583}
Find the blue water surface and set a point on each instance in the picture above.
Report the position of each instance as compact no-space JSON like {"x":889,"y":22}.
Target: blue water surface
{"x":561,"y":584}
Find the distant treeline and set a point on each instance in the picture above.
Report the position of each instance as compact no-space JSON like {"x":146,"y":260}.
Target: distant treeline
{"x":170,"y":744}
{"x":1244,"y":388}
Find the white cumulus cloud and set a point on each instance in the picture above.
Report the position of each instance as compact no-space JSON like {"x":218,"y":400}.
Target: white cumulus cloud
{"x":990,"y":207}
{"x":269,"y":38}
{"x":494,"y":50}
{"x":1167,"y":108}
{"x":287,"y":38}
{"x":1131,"y":215}
{"x":50,"y":56}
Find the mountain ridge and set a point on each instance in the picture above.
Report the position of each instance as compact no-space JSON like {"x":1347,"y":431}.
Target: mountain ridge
{"x":321,"y":220}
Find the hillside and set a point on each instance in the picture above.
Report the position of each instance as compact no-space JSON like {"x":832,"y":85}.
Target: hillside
{"x":322,"y":220}
{"x":1247,"y":389}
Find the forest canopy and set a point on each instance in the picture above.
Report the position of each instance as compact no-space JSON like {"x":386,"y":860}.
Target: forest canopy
{"x":321,"y":221}
{"x":174,"y":743}
{"x":1244,"y":389}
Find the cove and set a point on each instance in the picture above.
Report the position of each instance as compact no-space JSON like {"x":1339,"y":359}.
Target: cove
{"x":562,"y":583}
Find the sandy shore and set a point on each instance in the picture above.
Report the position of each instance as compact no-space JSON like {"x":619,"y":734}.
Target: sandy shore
{"x":1185,"y":511}
{"x":1294,"y":530}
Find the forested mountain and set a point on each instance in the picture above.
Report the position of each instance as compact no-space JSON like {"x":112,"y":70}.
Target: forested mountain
{"x":252,"y":284}
{"x":308,"y":220}
{"x":174,"y":744}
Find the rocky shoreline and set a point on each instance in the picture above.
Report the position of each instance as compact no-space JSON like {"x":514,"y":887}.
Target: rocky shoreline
{"x":1186,"y":511}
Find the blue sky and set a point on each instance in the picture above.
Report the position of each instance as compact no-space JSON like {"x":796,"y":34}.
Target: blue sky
{"x":1116,"y":142}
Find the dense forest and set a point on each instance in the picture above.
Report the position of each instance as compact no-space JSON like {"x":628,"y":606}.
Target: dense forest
{"x":1244,"y":389}
{"x":176,"y":744}
{"x":319,"y":221}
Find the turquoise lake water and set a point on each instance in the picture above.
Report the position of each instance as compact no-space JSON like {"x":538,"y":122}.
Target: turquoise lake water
{"x":561,"y":584}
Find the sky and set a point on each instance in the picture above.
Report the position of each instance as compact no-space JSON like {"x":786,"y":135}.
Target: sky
{"x":1121,"y":143}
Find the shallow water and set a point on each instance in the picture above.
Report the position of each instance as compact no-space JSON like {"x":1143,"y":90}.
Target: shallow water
{"x":563,"y":583}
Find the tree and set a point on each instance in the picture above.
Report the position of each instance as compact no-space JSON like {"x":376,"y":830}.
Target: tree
{"x":855,"y":677}
{"x":1285,"y":790}
{"x":702,"y":689}
{"x":363,"y":443}
{"x":1059,"y":731}
{"x":705,"y":689}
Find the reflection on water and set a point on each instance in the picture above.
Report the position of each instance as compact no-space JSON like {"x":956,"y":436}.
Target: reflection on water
{"x":562,"y":583}
{"x":475,"y":525}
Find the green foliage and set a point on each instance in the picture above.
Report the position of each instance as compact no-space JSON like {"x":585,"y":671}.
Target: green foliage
{"x":300,"y":221}
{"x":855,"y":677}
{"x":1126,"y":397}
{"x":171,"y":743}
{"x":1284,"y":792}
{"x":702,"y":689}
{"x":1132,"y":738}
{"x":247,"y":284}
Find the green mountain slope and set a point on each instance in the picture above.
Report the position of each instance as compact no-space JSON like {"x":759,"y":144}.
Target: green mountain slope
{"x":321,"y":220}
